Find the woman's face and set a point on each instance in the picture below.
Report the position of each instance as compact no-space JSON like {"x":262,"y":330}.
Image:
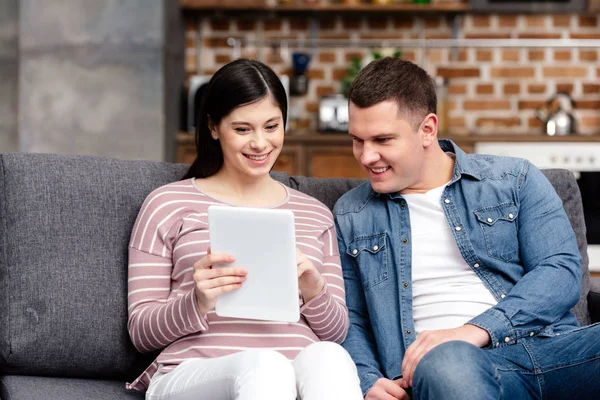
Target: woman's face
{"x":251,"y":137}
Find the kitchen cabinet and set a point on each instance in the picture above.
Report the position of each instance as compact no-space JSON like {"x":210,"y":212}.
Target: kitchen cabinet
{"x":330,"y":155}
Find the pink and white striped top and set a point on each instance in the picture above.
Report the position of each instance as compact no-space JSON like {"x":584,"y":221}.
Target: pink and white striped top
{"x":170,"y":235}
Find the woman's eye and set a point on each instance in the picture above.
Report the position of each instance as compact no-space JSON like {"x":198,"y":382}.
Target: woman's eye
{"x":272,"y":127}
{"x":242,"y":130}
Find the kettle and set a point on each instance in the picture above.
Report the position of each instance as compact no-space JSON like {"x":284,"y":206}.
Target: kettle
{"x":557,"y":116}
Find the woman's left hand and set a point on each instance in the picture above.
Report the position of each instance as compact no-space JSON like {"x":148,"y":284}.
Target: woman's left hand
{"x":310,"y":281}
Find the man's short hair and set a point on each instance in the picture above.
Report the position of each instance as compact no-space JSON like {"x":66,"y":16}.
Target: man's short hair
{"x":398,"y":80}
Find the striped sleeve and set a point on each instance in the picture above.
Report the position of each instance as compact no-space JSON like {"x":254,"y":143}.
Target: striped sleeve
{"x":155,"y":320}
{"x":327,"y":314}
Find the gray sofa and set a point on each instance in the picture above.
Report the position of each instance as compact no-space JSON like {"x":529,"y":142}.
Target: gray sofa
{"x":65,"y":223}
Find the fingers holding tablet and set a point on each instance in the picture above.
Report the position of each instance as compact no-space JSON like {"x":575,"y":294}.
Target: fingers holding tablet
{"x":212,"y":282}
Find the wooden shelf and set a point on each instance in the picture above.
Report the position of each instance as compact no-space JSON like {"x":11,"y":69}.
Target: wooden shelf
{"x":375,"y":8}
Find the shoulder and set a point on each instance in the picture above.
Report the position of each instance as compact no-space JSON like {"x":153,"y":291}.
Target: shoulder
{"x":486,"y":166}
{"x":174,"y":193}
{"x":355,"y":199}
{"x":299,"y":201}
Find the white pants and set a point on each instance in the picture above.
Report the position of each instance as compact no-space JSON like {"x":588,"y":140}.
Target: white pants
{"x":321,"y":371}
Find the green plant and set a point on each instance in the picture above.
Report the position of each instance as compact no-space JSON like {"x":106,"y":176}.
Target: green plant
{"x":356,"y":65}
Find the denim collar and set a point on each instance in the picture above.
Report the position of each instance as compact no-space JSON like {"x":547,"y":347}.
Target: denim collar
{"x":463,"y":165}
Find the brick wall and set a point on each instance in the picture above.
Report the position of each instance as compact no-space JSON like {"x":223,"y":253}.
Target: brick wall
{"x":490,"y":90}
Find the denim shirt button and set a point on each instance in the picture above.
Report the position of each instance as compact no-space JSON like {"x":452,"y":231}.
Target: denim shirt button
{"x":506,"y":339}
{"x":476,"y":265}
{"x":354,"y":251}
{"x":405,"y":240}
{"x":498,"y":344}
{"x":447,"y":201}
{"x":408,"y":331}
{"x":458,"y":229}
{"x":375,"y":248}
{"x":502,"y":296}
{"x":490,"y":220}
{"x":511,"y":216}
{"x":531,"y":333}
{"x":405,"y":284}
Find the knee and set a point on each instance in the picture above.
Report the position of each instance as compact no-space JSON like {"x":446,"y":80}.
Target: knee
{"x":269,"y":364}
{"x":323,"y":356}
{"x":449,"y":364}
{"x":320,"y":352}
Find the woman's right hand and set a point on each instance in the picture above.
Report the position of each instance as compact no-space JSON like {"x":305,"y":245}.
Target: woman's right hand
{"x":212,"y":282}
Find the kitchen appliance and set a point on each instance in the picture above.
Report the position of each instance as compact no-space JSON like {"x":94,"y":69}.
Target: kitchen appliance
{"x":299,"y":83}
{"x":582,"y":158}
{"x":197,"y":85}
{"x":537,"y":6}
{"x":556,"y":115}
{"x":333,"y":113}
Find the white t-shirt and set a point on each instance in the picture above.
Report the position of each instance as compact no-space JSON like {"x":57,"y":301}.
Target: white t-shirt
{"x":446,"y":291}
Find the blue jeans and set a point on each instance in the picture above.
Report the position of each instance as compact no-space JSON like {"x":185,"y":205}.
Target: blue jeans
{"x":566,"y":366}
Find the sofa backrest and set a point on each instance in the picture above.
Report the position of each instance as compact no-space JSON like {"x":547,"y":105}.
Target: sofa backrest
{"x":65,"y":222}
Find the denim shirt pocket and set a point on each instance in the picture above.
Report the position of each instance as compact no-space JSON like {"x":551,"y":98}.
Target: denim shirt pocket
{"x":498,"y":224}
{"x":370,"y":255}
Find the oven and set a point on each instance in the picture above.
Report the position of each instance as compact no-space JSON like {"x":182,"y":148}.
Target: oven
{"x":582,"y":158}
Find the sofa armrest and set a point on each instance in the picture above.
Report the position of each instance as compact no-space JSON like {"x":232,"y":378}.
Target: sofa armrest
{"x":594,"y":299}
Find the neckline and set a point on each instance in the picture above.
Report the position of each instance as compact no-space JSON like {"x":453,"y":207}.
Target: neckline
{"x":217,"y":199}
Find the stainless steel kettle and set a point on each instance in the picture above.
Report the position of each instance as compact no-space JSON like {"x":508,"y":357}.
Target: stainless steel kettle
{"x":557,"y":116}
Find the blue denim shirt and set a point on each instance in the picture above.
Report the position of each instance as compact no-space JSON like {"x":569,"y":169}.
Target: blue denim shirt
{"x":510,"y":227}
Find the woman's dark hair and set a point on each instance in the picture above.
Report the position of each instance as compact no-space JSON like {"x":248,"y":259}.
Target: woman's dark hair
{"x":238,"y":83}
{"x":398,"y":80}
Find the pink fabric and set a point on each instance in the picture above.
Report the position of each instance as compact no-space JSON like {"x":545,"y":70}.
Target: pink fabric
{"x":170,"y":235}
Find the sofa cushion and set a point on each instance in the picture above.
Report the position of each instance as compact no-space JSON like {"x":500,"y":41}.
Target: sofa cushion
{"x":14,"y":387}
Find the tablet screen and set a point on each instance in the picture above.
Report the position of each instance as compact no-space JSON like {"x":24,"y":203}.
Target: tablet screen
{"x":264,"y":242}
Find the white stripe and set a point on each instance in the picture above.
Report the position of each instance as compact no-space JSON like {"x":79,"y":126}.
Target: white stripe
{"x":148,"y":290}
{"x":150,"y":265}
{"x":155,"y":234}
{"x":201,"y":253}
{"x":183,"y":272}
{"x":190,"y":243}
{"x":139,"y":278}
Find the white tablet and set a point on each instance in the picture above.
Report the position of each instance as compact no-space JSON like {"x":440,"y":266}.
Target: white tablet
{"x":264,"y":242}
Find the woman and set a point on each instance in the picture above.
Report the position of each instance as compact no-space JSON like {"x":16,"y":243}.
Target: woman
{"x":173,"y":287}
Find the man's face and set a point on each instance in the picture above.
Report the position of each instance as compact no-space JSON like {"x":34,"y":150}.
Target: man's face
{"x":387,"y":146}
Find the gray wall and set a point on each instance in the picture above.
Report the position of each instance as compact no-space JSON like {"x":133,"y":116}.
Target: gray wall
{"x":9,"y":74}
{"x":100,"y":77}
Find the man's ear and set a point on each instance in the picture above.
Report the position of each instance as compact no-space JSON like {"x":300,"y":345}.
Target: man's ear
{"x":428,"y":129}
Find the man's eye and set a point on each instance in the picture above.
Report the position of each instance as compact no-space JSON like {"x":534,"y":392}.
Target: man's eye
{"x":357,"y":140}
{"x":381,"y":140}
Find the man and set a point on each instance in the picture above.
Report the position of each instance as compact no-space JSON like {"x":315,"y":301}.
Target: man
{"x":460,"y":269}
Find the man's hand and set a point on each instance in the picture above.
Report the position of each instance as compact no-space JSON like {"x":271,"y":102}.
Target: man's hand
{"x":385,"y":389}
{"x":427,"y":340}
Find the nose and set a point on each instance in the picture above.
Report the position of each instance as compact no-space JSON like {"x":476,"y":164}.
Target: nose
{"x":368,"y":155}
{"x":258,"y":141}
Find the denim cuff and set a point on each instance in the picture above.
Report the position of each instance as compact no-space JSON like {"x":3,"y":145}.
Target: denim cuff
{"x":367,"y":381}
{"x":497,"y":325}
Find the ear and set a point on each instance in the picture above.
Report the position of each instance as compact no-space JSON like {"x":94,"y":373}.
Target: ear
{"x":213,"y":129}
{"x":428,"y":129}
